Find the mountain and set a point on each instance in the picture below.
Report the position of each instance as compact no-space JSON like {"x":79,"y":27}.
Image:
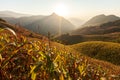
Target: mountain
{"x":105,"y":28}
{"x":105,"y":32}
{"x":53,"y":24}
{"x":43,"y":24}
{"x":23,"y":20}
{"x":100,"y":19}
{"x":12,"y":14}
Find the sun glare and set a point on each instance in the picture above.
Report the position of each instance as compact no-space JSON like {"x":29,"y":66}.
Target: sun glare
{"x":61,"y":10}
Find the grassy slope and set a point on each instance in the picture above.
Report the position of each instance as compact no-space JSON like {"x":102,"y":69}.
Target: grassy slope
{"x":111,"y":68}
{"x":107,"y":51}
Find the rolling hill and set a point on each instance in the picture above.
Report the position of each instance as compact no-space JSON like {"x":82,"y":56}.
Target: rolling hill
{"x":100,"y":50}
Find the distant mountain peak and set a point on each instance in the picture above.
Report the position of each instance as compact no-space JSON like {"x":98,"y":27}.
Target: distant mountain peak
{"x":101,"y":15}
{"x":100,"y":19}
{"x":54,"y":14}
{"x":105,"y":28}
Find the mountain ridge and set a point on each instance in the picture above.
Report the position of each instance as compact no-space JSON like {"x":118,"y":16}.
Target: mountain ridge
{"x":50,"y":23}
{"x":100,"y":19}
{"x":105,"y":32}
{"x":8,"y":13}
{"x":109,"y":27}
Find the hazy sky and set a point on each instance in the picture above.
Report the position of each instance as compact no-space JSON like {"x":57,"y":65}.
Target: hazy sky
{"x":82,"y":9}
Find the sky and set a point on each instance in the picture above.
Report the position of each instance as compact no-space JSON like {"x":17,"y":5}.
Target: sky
{"x":83,"y":9}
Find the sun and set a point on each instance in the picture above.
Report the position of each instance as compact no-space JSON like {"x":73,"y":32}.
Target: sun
{"x":61,"y":10}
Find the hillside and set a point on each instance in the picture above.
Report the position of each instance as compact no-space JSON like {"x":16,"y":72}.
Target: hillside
{"x":43,"y":24}
{"x":74,"y":39}
{"x":34,"y":59}
{"x":100,"y":19}
{"x":105,"y":28}
{"x":100,"y":50}
{"x":105,"y":32}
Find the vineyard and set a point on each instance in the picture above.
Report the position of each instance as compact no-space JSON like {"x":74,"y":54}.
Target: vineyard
{"x":23,"y":59}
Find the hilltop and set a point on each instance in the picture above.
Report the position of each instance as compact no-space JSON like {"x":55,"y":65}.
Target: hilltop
{"x":107,"y":51}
